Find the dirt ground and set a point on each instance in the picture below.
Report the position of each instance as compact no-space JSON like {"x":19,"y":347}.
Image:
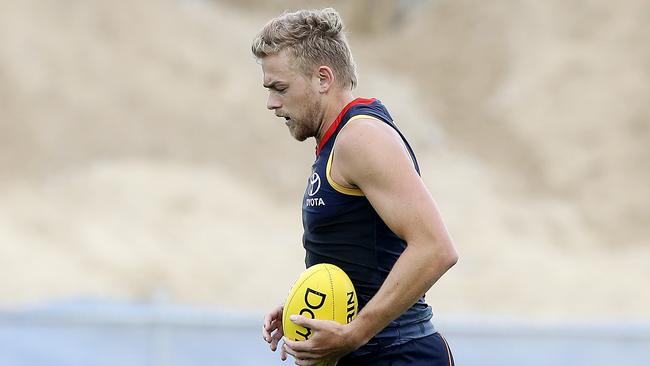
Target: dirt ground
{"x":137,"y":157}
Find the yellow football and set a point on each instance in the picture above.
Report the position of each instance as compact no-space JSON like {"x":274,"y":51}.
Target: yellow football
{"x":323,"y":291}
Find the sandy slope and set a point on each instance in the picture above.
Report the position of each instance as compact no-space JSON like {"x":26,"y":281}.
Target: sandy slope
{"x":136,"y":155}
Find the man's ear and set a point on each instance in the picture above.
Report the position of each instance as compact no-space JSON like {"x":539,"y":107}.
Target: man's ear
{"x":325,"y":78}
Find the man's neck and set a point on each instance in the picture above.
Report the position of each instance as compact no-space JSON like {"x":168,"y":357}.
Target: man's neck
{"x":332,"y":110}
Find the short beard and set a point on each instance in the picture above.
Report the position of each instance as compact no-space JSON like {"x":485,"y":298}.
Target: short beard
{"x":307,"y":125}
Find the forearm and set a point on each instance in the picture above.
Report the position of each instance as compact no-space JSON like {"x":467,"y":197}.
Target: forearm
{"x":416,"y":270}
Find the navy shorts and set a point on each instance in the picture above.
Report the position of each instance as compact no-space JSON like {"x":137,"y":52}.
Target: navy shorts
{"x":432,"y":350}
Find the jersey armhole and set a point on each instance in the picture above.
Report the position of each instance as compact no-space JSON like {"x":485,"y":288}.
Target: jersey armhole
{"x":356,"y":191}
{"x":339,"y":188}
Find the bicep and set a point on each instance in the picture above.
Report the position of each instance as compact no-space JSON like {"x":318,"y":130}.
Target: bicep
{"x":403,"y":202}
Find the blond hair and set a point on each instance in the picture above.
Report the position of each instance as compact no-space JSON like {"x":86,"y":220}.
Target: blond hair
{"x":312,"y":38}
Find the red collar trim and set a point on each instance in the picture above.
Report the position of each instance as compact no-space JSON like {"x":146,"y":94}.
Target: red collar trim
{"x":330,"y":131}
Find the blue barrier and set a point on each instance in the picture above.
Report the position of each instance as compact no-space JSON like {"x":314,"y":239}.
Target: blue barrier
{"x":84,"y":333}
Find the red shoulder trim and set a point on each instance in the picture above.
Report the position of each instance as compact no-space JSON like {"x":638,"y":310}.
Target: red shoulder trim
{"x":330,"y":131}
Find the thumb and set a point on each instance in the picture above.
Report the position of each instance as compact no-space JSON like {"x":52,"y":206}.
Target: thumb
{"x":302,"y":320}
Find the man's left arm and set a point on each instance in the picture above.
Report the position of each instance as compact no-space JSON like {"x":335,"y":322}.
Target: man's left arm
{"x":371,"y":156}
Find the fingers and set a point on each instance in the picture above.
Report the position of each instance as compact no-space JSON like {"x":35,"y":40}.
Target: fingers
{"x":272,"y":330}
{"x":283,"y":354}
{"x":266,"y":329}
{"x":299,"y":346}
{"x":302,"y":357}
{"x":272,"y":321}
{"x":267,"y":332}
{"x":308,"y":362}
{"x":275,"y":339}
{"x":272,"y":316}
{"x":303,"y":321}
{"x":319,"y":347}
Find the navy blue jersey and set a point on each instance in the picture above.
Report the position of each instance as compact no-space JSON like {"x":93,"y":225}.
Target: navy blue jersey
{"x":342,"y":228}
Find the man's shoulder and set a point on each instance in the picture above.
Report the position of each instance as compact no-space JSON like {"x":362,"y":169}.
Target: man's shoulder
{"x":367,"y":140}
{"x":362,"y":130}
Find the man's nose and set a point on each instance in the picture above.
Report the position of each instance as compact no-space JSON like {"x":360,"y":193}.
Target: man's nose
{"x":273,"y":102}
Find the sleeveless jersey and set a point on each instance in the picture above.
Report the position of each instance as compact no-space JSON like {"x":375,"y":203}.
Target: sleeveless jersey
{"x":342,"y":228}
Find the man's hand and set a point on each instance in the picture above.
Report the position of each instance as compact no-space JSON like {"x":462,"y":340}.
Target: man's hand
{"x":272,"y":330}
{"x":329,"y":342}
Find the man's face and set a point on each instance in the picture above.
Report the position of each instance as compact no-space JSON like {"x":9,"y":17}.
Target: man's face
{"x":292,"y":95}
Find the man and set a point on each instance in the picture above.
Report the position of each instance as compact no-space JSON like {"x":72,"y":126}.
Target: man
{"x":366,"y":208}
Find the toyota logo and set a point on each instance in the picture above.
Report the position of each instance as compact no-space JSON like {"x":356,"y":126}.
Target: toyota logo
{"x":314,"y":184}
